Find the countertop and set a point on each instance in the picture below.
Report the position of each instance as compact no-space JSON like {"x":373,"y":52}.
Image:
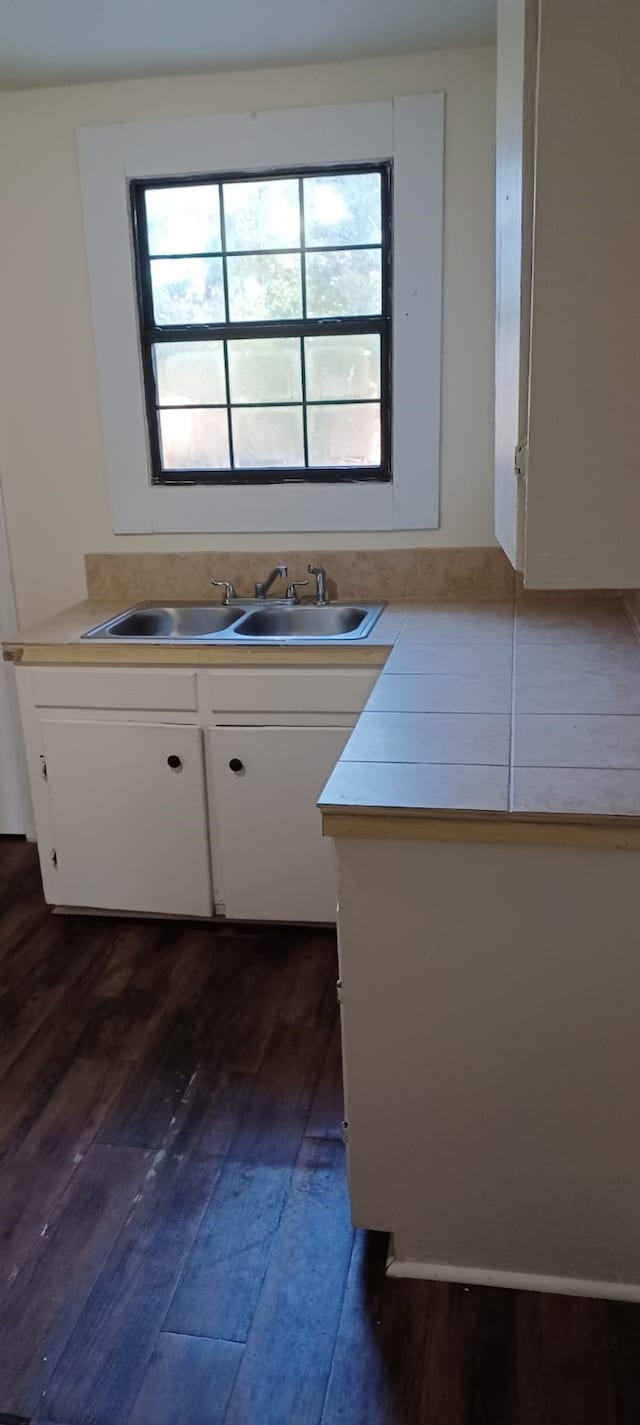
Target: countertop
{"x":59,"y":640}
{"x":504,"y":717}
{"x":487,"y":720}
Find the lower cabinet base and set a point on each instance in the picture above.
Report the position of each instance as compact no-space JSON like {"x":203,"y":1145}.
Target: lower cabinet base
{"x":220,"y":920}
{"x":399,"y":1265}
{"x":134,"y":914}
{"x":187,"y":794}
{"x":491,"y":1058}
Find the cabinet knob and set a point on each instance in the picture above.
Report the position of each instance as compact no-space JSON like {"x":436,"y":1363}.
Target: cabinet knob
{"x":174,"y":762}
{"x":236,"y":765}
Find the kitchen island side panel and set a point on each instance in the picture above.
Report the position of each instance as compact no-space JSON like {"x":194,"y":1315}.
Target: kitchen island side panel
{"x":491,"y":1004}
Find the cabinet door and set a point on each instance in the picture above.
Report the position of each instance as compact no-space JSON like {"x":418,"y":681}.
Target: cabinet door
{"x":275,"y":862}
{"x":128,"y":808}
{"x":583,"y":490}
{"x":515,"y":115}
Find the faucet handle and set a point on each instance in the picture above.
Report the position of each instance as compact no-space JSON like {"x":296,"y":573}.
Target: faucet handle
{"x":229,"y":591}
{"x":291,"y":595}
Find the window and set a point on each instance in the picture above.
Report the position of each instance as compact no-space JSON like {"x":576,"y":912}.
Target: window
{"x":264,"y":308}
{"x":147,"y":496}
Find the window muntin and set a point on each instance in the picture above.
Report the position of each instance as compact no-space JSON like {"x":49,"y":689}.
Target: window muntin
{"x":264,"y":305}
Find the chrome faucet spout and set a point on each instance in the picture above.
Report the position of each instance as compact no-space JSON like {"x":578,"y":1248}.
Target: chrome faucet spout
{"x":280,"y":572}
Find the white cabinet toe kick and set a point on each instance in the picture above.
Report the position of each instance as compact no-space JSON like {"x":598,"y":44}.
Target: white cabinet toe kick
{"x":180,"y":792}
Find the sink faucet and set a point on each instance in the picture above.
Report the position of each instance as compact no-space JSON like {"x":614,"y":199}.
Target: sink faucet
{"x":320,"y":575}
{"x":280,"y":572}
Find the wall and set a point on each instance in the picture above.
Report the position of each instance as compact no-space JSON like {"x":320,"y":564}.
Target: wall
{"x":14,"y":795}
{"x":54,"y":475}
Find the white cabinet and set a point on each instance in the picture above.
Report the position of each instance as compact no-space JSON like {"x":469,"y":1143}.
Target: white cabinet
{"x":127,"y":808}
{"x":568,"y":310}
{"x":121,"y":828}
{"x":266,"y":830}
{"x":515,"y":112}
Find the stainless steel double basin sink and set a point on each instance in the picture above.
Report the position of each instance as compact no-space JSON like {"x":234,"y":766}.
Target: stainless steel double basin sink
{"x":272,"y":622}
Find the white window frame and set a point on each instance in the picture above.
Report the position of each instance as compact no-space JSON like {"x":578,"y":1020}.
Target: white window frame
{"x":410,"y":132}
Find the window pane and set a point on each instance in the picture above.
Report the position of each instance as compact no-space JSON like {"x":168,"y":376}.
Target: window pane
{"x":183,"y":219}
{"x":268,"y":369}
{"x":259,"y":215}
{"x":342,"y":284}
{"x":187,"y":290}
{"x":264,"y":288}
{"x":342,"y":209}
{"x":190,"y":373}
{"x":194,"y":440}
{"x":344,"y":435}
{"x":267,"y":437}
{"x":339,"y":367}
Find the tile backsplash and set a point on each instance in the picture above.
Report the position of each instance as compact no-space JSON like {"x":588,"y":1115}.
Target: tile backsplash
{"x":391,"y":574}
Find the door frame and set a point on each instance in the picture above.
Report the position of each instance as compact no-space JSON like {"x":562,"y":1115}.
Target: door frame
{"x":9,"y":629}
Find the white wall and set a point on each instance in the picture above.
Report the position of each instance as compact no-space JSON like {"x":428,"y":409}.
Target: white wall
{"x":54,"y":473}
{"x":15,"y":810}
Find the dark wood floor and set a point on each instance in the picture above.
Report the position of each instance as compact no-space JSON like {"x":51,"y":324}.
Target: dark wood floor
{"x":175,"y":1244}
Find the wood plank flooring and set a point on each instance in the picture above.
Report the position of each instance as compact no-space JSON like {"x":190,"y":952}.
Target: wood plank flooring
{"x":175,"y":1242}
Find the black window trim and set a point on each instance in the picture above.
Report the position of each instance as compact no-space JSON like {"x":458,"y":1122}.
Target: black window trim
{"x":150,"y":334}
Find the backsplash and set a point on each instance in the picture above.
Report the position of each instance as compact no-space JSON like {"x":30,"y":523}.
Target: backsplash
{"x":391,"y":574}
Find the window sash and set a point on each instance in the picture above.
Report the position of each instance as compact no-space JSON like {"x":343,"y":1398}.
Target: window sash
{"x":152,"y":334}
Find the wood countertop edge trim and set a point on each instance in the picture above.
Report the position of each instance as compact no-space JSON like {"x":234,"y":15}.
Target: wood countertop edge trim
{"x":128,"y":655}
{"x":379,"y":824}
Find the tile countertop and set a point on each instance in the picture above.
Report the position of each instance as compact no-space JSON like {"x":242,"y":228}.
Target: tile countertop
{"x":504,"y":717}
{"x":488,"y":718}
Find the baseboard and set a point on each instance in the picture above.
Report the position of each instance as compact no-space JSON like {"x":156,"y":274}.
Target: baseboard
{"x":516,"y":1281}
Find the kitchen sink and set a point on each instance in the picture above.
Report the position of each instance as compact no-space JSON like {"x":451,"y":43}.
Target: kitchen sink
{"x":175,"y":622}
{"x":265,"y":622}
{"x":307,"y":621}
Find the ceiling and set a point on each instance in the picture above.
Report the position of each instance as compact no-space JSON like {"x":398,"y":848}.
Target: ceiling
{"x":46,"y":42}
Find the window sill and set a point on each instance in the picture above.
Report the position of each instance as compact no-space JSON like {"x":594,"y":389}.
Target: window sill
{"x":273,"y":509}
